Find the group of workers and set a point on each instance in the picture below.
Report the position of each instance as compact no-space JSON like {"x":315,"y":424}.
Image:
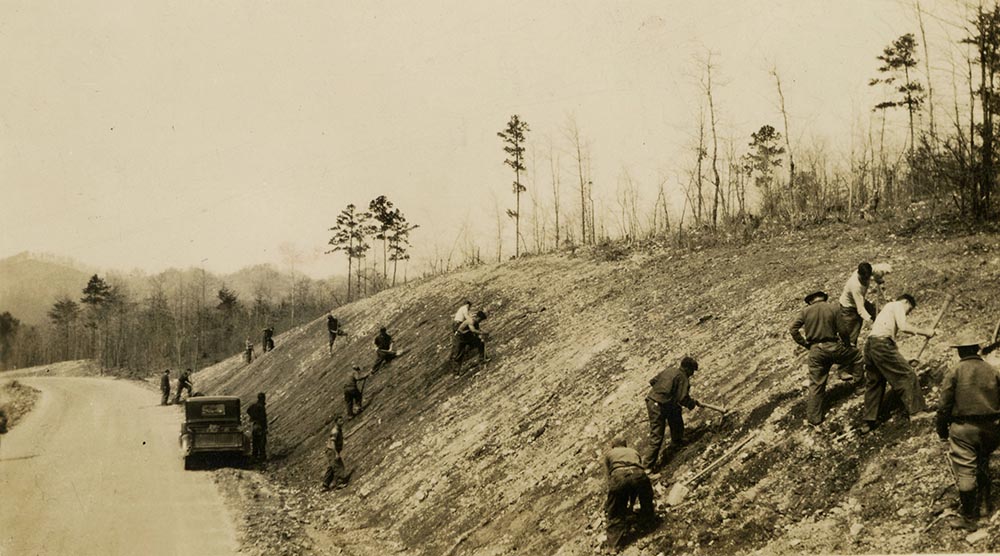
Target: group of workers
{"x":967,"y":413}
{"x":183,"y":383}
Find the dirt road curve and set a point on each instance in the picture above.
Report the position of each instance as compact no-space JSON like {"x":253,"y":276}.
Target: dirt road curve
{"x":95,"y":469}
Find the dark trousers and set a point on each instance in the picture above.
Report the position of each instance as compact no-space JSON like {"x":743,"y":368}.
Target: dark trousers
{"x":352,"y":397}
{"x":381,"y":358}
{"x":258,"y":439}
{"x":626,"y":483}
{"x":822,"y":356}
{"x":180,"y":388}
{"x":884,"y":364}
{"x":333,"y":336}
{"x":165,"y":396}
{"x":662,"y":415}
{"x":268,"y":345}
{"x":970,"y":446}
{"x":463,"y":343}
{"x":849,"y":325}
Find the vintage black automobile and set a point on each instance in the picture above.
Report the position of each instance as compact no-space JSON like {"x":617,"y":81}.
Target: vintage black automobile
{"x":212,"y":426}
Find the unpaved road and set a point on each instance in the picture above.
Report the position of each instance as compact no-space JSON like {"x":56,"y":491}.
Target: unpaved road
{"x":95,"y":469}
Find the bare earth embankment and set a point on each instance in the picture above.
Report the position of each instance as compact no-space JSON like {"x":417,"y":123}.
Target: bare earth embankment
{"x":506,"y":458}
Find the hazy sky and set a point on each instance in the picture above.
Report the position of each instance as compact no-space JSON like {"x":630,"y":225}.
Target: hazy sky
{"x":154,"y":134}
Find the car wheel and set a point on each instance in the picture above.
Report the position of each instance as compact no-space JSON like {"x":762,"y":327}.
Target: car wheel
{"x":188,"y":463}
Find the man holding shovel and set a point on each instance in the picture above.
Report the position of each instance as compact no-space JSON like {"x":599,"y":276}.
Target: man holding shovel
{"x":819,"y":322}
{"x":670,"y":391}
{"x":967,"y":419}
{"x":884,"y":364}
{"x":353,"y":389}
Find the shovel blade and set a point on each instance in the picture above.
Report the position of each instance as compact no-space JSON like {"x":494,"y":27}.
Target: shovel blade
{"x":677,"y":494}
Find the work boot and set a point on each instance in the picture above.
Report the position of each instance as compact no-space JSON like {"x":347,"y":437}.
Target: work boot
{"x":970,"y":513}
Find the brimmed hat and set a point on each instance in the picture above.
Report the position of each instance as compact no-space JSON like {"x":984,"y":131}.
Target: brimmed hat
{"x":966,"y":339}
{"x":814,"y":295}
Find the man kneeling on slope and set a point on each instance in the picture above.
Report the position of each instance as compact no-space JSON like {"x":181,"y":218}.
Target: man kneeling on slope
{"x":627,"y":480}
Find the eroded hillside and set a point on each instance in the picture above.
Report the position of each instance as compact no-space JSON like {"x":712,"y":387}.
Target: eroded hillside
{"x":506,"y":457}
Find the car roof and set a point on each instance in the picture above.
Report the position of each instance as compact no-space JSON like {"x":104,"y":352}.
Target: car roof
{"x":212,"y":399}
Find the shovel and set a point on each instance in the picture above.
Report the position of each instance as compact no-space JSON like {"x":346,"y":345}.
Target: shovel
{"x":947,"y":302}
{"x":681,"y":489}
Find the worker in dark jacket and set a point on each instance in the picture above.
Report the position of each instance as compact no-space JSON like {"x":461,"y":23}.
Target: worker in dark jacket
{"x":967,"y":419}
{"x":627,"y":480}
{"x":336,"y":473}
{"x":670,"y":391}
{"x":165,"y":387}
{"x":353,"y":389}
{"x":333,"y":328}
{"x":268,"y":341}
{"x":383,"y":349}
{"x":819,"y":320}
{"x":258,"y":427}
{"x":184,"y":383}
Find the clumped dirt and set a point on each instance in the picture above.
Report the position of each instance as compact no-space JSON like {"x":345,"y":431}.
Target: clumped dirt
{"x":507,"y":457}
{"x":17,"y":399}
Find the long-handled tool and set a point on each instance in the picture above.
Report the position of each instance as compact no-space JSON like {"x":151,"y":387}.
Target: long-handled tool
{"x":947,"y":303}
{"x":994,"y":341}
{"x":721,"y":410}
{"x":681,"y":489}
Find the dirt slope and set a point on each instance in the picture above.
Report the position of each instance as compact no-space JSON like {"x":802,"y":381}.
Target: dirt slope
{"x":507,"y":457}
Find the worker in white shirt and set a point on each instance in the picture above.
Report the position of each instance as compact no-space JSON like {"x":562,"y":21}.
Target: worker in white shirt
{"x":884,"y":363}
{"x":461,"y":315}
{"x":854,"y":309}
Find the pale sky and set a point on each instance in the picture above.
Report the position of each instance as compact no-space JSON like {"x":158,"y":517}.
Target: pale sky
{"x":154,"y":134}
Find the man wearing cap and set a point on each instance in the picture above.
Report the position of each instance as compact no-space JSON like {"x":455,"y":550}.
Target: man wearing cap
{"x":352,"y":390}
{"x":854,"y":309}
{"x":819,"y":322}
{"x":670,"y":390}
{"x":627,"y":480}
{"x":884,"y":364}
{"x":184,"y":383}
{"x":258,"y":427}
{"x":967,"y":419}
{"x":165,"y":387}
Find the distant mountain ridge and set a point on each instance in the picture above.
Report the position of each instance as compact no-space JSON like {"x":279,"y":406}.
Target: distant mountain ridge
{"x":31,"y":282}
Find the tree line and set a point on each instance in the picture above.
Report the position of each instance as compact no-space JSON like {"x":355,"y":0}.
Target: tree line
{"x":734,"y":185}
{"x":172,"y":320}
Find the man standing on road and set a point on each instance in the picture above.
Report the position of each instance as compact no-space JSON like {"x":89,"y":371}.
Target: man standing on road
{"x":258,"y":428}
{"x":336,"y":474}
{"x":3,"y":421}
{"x":461,"y":315}
{"x":627,"y":480}
{"x":353,"y":389}
{"x":184,"y":383}
{"x":819,"y":321}
{"x":248,"y":354}
{"x":854,"y":309}
{"x":967,"y":419}
{"x":333,"y":327}
{"x":165,"y":387}
{"x":670,"y":391}
{"x":884,"y":364}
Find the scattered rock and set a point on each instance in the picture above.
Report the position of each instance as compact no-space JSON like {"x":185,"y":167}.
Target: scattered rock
{"x":977,"y":536}
{"x":856,"y":530}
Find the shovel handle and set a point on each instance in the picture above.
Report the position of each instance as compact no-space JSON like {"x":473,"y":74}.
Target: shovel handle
{"x":947,"y":303}
{"x":729,"y":453}
{"x":713,"y":407}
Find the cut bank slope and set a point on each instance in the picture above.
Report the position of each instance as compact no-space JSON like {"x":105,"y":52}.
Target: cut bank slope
{"x":507,"y":457}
